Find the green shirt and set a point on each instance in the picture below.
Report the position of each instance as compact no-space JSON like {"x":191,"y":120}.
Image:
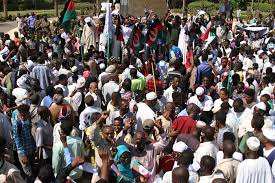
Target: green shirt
{"x":138,"y":84}
{"x":76,"y":148}
{"x":243,"y":145}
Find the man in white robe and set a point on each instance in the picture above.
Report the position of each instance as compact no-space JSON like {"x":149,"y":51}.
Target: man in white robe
{"x":184,"y":38}
{"x":254,"y":169}
{"x":88,"y":37}
{"x":145,"y":109}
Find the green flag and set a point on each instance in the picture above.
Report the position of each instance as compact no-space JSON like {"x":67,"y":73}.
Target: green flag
{"x":69,"y":14}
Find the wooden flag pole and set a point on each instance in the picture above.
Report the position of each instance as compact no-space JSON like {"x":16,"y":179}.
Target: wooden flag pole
{"x":154,"y":77}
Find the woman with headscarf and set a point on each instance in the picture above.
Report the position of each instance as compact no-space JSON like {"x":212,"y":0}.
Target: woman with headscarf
{"x":123,"y":160}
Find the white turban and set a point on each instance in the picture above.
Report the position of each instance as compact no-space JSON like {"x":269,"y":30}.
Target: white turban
{"x":23,"y":82}
{"x":179,"y":147}
{"x":253,"y":143}
{"x":269,"y":133}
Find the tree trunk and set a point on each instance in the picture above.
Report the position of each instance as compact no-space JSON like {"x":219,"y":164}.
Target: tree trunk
{"x":183,"y":7}
{"x":5,"y":8}
{"x":97,"y":8}
{"x":56,"y":7}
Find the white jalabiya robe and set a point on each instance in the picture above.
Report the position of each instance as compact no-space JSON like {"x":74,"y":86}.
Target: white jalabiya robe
{"x":88,"y":37}
{"x":254,"y":171}
{"x":116,"y":45}
{"x":102,"y":42}
{"x":183,"y":40}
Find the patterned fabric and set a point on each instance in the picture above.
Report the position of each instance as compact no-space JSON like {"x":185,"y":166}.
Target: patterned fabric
{"x":150,"y":85}
{"x":23,"y":137}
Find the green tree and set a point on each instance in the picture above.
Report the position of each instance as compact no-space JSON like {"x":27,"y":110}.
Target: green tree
{"x":5,"y":8}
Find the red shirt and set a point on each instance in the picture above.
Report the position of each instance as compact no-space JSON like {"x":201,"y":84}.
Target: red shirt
{"x":150,"y":85}
{"x":184,"y":124}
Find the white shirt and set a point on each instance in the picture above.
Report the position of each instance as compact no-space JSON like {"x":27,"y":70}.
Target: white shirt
{"x":56,"y":130}
{"x":108,"y":89}
{"x":244,"y":121}
{"x":77,"y":98}
{"x":193,"y":177}
{"x":169,"y":92}
{"x":247,"y":64}
{"x":68,"y":73}
{"x":239,"y":13}
{"x":99,"y":79}
{"x":144,"y":112}
{"x":194,"y":99}
{"x":85,"y":116}
{"x":20,"y":93}
{"x":254,"y":171}
{"x":20,"y":22}
{"x":97,"y":99}
{"x":218,"y":102}
{"x":206,"y":148}
{"x":126,"y":73}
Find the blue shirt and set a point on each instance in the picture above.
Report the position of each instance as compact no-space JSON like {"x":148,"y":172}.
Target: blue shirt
{"x":47,"y":101}
{"x":23,"y":138}
{"x":214,"y":53}
{"x":203,"y":69}
{"x":31,"y":21}
{"x":177,"y":52}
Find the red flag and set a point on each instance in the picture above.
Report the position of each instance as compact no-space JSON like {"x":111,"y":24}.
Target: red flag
{"x":153,"y":33}
{"x":204,"y":36}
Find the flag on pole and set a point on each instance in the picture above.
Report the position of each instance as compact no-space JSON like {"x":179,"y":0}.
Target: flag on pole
{"x":108,"y":27}
{"x":153,"y":33}
{"x":135,"y":40}
{"x":205,"y":35}
{"x":67,"y":15}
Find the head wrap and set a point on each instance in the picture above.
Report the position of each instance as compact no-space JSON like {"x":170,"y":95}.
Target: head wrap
{"x":179,"y":147}
{"x":24,"y":82}
{"x":253,"y":143}
{"x":269,"y":133}
{"x":125,"y":170}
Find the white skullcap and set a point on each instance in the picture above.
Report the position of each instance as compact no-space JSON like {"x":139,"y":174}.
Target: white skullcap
{"x":200,"y":124}
{"x":87,"y":19}
{"x":263,"y":93}
{"x":260,"y":52}
{"x":179,"y":147}
{"x":102,"y":66}
{"x":151,"y":96}
{"x":208,"y":105}
{"x":261,"y":106}
{"x":199,"y":91}
{"x":74,"y":69}
{"x":253,"y":143}
{"x":81,"y":82}
{"x":243,"y":42}
{"x":269,"y":133}
{"x":238,"y":156}
{"x":64,"y":35}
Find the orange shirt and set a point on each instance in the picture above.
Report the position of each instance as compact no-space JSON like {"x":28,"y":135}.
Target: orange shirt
{"x":16,"y":41}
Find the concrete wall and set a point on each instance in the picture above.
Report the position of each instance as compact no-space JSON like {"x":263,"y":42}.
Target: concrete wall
{"x":136,"y":7}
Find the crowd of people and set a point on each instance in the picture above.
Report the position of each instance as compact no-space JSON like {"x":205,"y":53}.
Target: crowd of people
{"x":167,"y":99}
